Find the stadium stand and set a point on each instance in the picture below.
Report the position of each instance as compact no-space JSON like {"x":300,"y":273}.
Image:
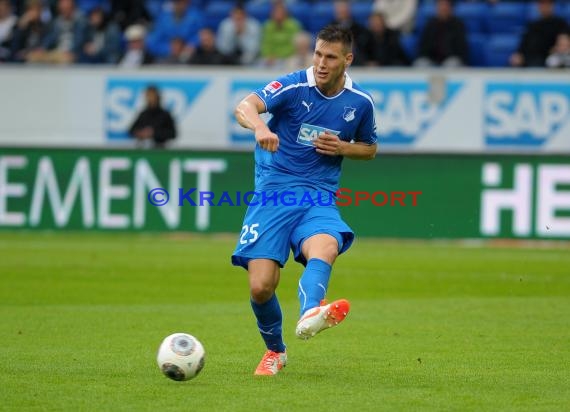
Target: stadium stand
{"x":215,"y":12}
{"x":507,"y":18}
{"x":477,"y":43}
{"x":494,"y":29}
{"x":259,"y":11}
{"x":425,"y":11}
{"x":410,"y":44}
{"x":473,"y":16}
{"x":361,"y":11}
{"x":498,"y":48}
{"x":321,"y":14}
{"x":88,"y":5}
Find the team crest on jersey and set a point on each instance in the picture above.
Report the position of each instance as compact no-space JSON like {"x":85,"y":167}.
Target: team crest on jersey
{"x":348,"y":114}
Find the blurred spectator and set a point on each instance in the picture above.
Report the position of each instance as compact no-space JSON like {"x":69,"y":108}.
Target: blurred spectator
{"x":154,"y":124}
{"x":65,"y":37}
{"x":183,"y":21}
{"x":103,"y":39}
{"x":207,"y":53}
{"x":239,"y":36}
{"x":560,"y":55}
{"x":443,"y":40}
{"x":399,"y":14}
{"x":179,"y":53}
{"x":277,"y":40}
{"x":303,"y":56}
{"x":29,"y":31}
{"x":343,"y":17}
{"x":539,"y":37}
{"x":8,"y":21}
{"x":383,"y":46}
{"x":129,"y":12}
{"x":136,"y":54}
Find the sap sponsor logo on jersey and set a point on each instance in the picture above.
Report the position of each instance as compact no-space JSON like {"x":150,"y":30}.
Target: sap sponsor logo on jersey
{"x":405,"y":111}
{"x":526,"y":114}
{"x":309,"y":132}
{"x":124,"y":99}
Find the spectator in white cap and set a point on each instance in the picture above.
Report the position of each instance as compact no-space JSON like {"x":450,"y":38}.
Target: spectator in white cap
{"x":136,"y":54}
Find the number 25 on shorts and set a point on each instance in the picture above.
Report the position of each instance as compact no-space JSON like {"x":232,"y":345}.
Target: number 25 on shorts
{"x":251,"y":230}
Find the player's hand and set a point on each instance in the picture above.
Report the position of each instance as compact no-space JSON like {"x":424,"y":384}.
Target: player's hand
{"x":267,"y":140}
{"x":328,"y":144}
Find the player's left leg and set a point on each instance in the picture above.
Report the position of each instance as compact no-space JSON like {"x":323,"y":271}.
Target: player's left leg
{"x":316,"y":243}
{"x":320,"y":252}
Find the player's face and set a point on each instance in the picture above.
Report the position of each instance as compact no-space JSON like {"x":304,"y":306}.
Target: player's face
{"x":330,"y":61}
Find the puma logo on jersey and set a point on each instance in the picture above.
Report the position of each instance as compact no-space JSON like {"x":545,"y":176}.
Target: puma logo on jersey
{"x":308,"y":106}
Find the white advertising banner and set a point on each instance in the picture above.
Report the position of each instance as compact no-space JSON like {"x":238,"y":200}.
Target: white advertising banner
{"x":522,"y":111}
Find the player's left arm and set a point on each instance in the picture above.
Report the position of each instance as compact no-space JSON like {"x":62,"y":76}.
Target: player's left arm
{"x":330,"y":145}
{"x":363,"y":147}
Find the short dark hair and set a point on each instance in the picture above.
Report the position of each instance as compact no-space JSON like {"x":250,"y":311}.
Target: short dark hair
{"x":153,"y":88}
{"x":336,"y":34}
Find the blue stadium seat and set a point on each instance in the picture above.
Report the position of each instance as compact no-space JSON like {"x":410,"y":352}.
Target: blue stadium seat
{"x":215,"y":12}
{"x":425,"y":11}
{"x":532,"y":11}
{"x":321,"y":15}
{"x":566,"y":13}
{"x":499,"y":48}
{"x":302,"y":12}
{"x":259,"y":11}
{"x":154,"y":7}
{"x":87,"y":5}
{"x":409,"y":43}
{"x":473,"y":16}
{"x":361,"y":11}
{"x":504,"y":18}
{"x":477,"y":44}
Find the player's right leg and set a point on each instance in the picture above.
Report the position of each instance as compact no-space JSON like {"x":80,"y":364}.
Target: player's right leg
{"x":263,"y":280}
{"x":262,"y":248}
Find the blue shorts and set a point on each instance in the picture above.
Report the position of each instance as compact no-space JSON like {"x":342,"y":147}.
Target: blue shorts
{"x":282,"y":221}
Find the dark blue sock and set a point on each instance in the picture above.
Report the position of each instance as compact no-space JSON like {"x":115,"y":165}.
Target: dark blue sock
{"x":269,"y":322}
{"x":313,"y":284}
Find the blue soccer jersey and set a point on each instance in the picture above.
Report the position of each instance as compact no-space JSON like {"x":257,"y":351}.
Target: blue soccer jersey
{"x":300,"y":112}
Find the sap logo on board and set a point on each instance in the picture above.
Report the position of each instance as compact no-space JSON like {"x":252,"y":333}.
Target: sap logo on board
{"x":405,"y":111}
{"x":124,"y":98}
{"x":529,"y":114}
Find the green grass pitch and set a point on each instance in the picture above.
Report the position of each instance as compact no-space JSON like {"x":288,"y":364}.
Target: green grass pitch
{"x":434,"y":326}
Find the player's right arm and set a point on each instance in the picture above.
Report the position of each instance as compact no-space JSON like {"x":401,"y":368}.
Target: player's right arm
{"x":247,"y":114}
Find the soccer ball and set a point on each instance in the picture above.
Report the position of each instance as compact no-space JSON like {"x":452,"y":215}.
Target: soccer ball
{"x":181,"y":356}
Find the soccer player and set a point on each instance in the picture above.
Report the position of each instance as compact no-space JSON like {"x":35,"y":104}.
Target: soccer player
{"x":319,"y":116}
